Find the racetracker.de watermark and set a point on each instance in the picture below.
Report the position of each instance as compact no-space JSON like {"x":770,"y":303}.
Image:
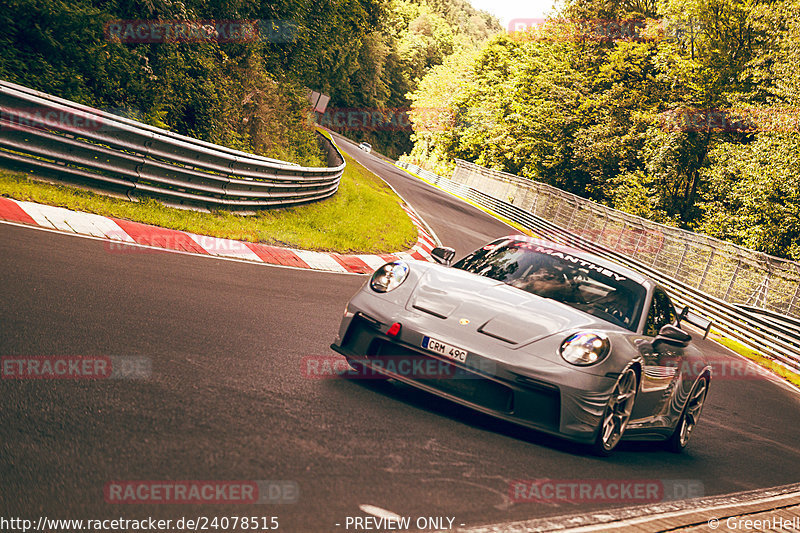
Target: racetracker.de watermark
{"x":751,"y":120}
{"x":571,"y":30}
{"x":636,"y":491}
{"x":199,"y":31}
{"x":157,"y":240}
{"x":408,"y":366}
{"x":387,"y":119}
{"x":202,"y":492}
{"x":92,"y":367}
{"x":40,"y":118}
{"x":722,"y":368}
{"x":120,"y":524}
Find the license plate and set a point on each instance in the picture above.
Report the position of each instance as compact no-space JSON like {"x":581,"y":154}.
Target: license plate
{"x":445,"y":349}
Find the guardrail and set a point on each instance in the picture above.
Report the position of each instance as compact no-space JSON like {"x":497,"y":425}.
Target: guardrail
{"x":76,"y":143}
{"x":775,"y":336}
{"x":722,"y":269}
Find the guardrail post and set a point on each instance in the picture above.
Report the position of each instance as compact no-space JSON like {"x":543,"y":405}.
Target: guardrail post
{"x":638,"y":242}
{"x":619,"y":240}
{"x":733,"y":278}
{"x":760,"y":294}
{"x":584,"y":231}
{"x":472,"y":177}
{"x":793,"y":302}
{"x":572,"y":216}
{"x":658,"y":253}
{"x":603,"y":230}
{"x":524,"y":201}
{"x":708,"y":267}
{"x":683,"y":257}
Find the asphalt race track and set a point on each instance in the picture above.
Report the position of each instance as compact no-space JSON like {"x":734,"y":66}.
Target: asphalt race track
{"x":227,"y":400}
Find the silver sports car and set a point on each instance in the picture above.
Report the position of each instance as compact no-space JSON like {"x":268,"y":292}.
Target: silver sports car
{"x":538,"y":334}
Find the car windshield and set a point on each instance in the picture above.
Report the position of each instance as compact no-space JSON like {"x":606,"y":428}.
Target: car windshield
{"x":561,"y":276}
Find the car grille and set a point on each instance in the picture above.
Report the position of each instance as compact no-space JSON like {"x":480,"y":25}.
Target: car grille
{"x":533,"y":401}
{"x":360,"y":334}
{"x":459,"y":381}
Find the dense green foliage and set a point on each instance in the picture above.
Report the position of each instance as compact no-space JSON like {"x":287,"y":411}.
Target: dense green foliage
{"x":227,"y":93}
{"x":248,"y":94}
{"x":411,"y":38}
{"x":604,"y":118}
{"x":646,"y":124}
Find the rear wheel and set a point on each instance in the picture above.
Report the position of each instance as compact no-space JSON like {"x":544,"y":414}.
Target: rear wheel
{"x":617,"y":413}
{"x":688,"y":420}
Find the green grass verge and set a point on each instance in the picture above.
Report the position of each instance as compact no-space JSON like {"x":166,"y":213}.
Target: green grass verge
{"x":363,"y":217}
{"x":774,"y":367}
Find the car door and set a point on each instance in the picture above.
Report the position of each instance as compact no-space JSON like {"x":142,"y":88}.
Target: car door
{"x":662,"y":362}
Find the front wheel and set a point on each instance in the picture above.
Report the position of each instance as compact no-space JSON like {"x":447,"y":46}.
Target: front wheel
{"x":688,"y":420}
{"x":617,"y":413}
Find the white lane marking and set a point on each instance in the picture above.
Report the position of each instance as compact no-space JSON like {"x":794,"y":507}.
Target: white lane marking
{"x":405,"y":256}
{"x":377,"y":511}
{"x":423,"y":252}
{"x":407,"y":207}
{"x":225,"y":247}
{"x":111,"y":230}
{"x":663,"y":516}
{"x":423,"y":238}
{"x":319,"y":260}
{"x":757,"y":369}
{"x":171,"y":251}
{"x":37,"y":215}
{"x":372,"y":261}
{"x":98,"y":226}
{"x":74,"y":221}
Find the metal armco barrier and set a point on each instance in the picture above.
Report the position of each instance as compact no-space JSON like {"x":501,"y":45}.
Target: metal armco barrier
{"x":775,"y":336}
{"x":722,"y":269}
{"x":76,"y":143}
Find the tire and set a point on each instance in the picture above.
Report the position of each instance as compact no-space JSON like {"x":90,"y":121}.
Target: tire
{"x":617,"y":413}
{"x":689,"y":417}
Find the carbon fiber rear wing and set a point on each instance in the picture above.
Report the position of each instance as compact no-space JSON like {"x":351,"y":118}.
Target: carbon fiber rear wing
{"x":696,"y":320}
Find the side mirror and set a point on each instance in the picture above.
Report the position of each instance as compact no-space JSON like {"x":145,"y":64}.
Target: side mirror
{"x":673,"y":335}
{"x":443,"y":255}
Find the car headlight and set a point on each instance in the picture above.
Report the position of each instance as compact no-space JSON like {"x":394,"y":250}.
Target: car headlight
{"x":585,"y":348}
{"x":389,"y":276}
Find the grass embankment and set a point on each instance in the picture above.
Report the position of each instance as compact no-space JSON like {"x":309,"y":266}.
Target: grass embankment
{"x":363,"y":217}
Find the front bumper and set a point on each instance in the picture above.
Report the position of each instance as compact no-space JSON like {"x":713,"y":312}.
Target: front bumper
{"x":542,"y":396}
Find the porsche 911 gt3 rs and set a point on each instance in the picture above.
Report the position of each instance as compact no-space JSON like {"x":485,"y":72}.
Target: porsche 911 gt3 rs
{"x":536,"y":333}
